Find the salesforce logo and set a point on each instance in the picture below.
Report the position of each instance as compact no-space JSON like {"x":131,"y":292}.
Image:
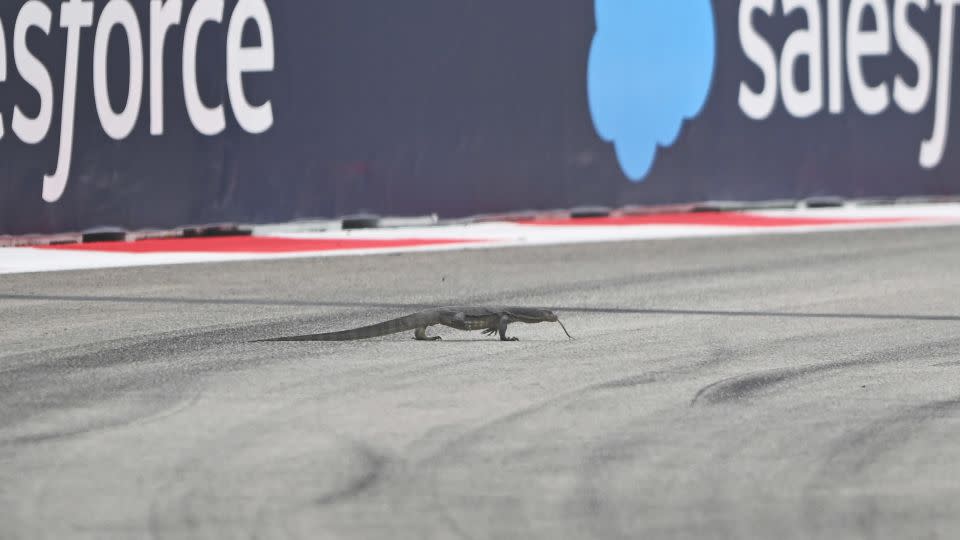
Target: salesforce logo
{"x":650,"y":68}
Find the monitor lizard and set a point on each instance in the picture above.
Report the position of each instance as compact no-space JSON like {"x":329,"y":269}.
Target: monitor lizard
{"x":491,"y":320}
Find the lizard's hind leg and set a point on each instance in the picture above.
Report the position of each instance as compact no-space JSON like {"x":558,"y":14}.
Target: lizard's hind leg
{"x":420,"y":334}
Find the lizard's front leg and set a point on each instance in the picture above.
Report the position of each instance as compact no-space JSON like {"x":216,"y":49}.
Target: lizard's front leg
{"x":420,"y":334}
{"x":504,"y":321}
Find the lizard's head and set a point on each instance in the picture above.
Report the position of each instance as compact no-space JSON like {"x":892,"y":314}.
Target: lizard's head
{"x":538,"y":315}
{"x":533,"y":315}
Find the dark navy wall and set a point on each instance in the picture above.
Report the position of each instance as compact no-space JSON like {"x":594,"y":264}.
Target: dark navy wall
{"x":450,"y":106}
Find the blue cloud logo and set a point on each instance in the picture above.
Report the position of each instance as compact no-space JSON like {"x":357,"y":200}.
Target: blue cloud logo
{"x":650,"y":68}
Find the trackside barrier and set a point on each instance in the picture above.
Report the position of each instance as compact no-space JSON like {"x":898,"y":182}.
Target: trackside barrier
{"x":161,"y":113}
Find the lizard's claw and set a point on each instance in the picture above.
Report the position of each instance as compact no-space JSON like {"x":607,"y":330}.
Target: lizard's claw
{"x":512,"y":339}
{"x":489,"y":331}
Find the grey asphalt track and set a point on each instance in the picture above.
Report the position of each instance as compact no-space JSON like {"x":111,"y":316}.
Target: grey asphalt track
{"x":780,"y":387}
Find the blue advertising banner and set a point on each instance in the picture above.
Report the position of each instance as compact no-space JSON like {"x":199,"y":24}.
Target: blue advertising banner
{"x":169,"y":112}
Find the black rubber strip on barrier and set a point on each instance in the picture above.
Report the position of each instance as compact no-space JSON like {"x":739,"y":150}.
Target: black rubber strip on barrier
{"x":360,"y":221}
{"x":104,"y":234}
{"x":218,"y":230}
{"x":581,"y":212}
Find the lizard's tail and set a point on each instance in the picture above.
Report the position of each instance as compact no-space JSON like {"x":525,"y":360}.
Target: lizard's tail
{"x":403,"y":324}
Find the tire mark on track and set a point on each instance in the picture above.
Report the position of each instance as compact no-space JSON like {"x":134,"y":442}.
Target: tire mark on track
{"x":125,"y":351}
{"x":742,"y":386}
{"x":67,"y":379}
{"x":753,"y":384}
{"x":145,"y":417}
{"x":716,"y":356}
{"x":853,"y":456}
{"x":860,"y":449}
{"x":46,"y":484}
{"x":374,"y":465}
{"x":459,"y":445}
{"x":200,"y":492}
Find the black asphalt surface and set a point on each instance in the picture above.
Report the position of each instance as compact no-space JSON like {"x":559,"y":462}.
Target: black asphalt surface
{"x":802,"y":386}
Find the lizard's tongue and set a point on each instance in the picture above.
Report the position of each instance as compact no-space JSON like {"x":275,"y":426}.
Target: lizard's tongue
{"x":564,"y":329}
